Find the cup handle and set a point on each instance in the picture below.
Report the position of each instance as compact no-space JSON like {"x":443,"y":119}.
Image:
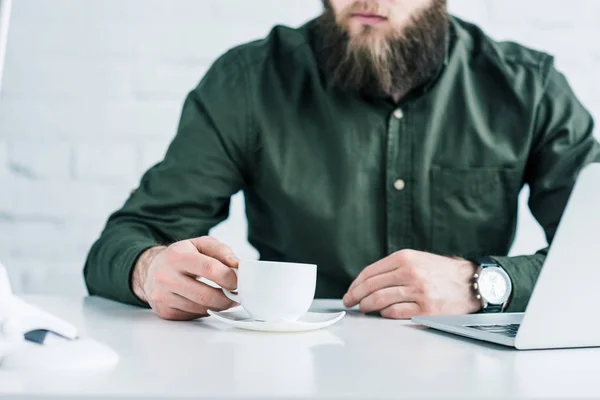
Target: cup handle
{"x":229,"y":295}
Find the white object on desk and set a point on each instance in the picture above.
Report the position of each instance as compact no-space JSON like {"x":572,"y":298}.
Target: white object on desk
{"x":273,"y":291}
{"x":21,"y":317}
{"x":61,"y":350}
{"x":18,"y":317}
{"x":239,"y":318}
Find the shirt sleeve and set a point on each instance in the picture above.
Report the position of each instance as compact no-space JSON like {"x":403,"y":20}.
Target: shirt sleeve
{"x":564,"y":143}
{"x":189,"y":191}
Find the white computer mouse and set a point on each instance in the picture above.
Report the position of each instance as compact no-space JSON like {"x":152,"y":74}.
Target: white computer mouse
{"x":60,"y":355}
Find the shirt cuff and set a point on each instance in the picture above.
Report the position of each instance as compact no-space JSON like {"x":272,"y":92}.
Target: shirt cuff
{"x":523,"y":272}
{"x":130,"y":258}
{"x":113,"y":280}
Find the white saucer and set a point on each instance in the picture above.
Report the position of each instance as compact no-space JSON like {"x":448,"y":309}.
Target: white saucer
{"x":310,"y":321}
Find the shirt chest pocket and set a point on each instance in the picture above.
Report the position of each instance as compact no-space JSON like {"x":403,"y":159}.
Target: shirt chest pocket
{"x":473,"y":210}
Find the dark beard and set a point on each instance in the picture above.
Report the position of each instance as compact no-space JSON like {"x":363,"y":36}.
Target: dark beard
{"x":408,"y":60}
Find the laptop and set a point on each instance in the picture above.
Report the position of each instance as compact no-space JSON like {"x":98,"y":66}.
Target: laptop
{"x":561,"y":312}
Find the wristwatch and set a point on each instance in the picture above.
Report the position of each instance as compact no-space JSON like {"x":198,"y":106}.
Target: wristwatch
{"x":492,"y":284}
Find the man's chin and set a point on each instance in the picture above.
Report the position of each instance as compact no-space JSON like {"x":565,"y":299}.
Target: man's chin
{"x":369,"y":33}
{"x":369,"y":40}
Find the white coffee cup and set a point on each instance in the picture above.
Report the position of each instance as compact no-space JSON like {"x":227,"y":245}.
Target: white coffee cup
{"x":274,"y":291}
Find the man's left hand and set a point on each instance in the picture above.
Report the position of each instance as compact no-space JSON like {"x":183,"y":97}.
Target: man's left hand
{"x":410,"y":283}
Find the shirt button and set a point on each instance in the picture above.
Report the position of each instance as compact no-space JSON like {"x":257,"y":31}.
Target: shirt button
{"x":399,"y":184}
{"x":398,"y":114}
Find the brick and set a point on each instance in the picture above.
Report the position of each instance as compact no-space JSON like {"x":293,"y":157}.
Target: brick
{"x":179,"y":43}
{"x":15,"y":273}
{"x":35,"y":12}
{"x":30,"y":238}
{"x":3,"y":160}
{"x":47,"y":239}
{"x":584,"y":89}
{"x":45,"y":277}
{"x":166,"y":81}
{"x":564,"y":43}
{"x":40,"y":159}
{"x":295,"y":12}
{"x":592,"y":10}
{"x":88,"y":119}
{"x":128,"y":29}
{"x":543,"y":13}
{"x":106,"y":162}
{"x":68,"y":78}
{"x":151,"y":153}
{"x":79,"y":38}
{"x":476,"y":11}
{"x":60,"y":200}
{"x":198,"y":12}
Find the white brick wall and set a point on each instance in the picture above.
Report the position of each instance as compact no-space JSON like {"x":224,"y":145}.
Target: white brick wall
{"x":3,"y":160}
{"x":93,"y":91}
{"x":106,"y":162}
{"x":40,"y":159}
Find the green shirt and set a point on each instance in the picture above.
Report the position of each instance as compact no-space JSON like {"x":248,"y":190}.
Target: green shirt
{"x":341,"y":180}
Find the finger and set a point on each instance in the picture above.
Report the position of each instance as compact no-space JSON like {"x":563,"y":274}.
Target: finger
{"x":180,"y":303}
{"x":382,"y":266}
{"x":202,"y":294}
{"x":173,"y":314}
{"x":401,"y":311}
{"x":213,"y":248}
{"x":384,"y":298}
{"x":212,"y":269}
{"x":396,"y":277}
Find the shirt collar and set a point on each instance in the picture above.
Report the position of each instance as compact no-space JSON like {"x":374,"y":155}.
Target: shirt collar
{"x":451,"y":38}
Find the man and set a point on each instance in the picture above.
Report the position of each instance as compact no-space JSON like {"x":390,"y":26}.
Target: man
{"x":385,"y":141}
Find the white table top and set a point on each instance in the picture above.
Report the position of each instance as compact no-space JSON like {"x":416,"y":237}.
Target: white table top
{"x":359,"y":357}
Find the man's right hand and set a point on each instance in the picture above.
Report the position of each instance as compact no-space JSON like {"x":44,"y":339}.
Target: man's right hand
{"x":167,"y":278}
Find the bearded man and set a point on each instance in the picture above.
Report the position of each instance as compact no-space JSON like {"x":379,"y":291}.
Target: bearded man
{"x":385,"y":141}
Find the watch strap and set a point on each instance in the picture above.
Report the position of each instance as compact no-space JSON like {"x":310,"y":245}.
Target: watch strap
{"x":492,"y":308}
{"x":486,"y":262}
{"x":483,"y":263}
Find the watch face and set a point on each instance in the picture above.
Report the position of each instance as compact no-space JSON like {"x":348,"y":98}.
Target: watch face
{"x":493,"y":286}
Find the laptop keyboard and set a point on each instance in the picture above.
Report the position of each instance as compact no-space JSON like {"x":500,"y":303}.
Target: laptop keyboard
{"x":509,"y":330}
